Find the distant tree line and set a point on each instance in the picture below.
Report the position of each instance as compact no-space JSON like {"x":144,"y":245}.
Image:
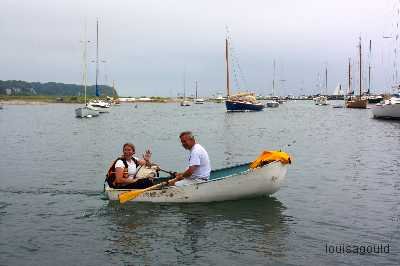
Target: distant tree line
{"x":23,"y":88}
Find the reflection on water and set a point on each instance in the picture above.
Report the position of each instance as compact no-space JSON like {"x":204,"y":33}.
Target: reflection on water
{"x":190,"y":233}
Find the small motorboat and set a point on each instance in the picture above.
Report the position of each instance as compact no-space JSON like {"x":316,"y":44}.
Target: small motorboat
{"x":232,"y":183}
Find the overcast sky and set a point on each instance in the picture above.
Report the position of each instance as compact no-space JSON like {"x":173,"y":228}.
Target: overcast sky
{"x":148,"y":45}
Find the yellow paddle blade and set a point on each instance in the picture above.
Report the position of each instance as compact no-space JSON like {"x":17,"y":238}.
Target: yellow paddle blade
{"x":130,"y":195}
{"x":270,"y":156}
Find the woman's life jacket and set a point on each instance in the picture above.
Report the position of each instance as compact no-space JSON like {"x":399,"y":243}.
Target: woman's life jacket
{"x":110,"y":176}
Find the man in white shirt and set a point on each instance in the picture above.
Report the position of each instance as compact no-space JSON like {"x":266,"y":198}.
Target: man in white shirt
{"x":199,"y":163}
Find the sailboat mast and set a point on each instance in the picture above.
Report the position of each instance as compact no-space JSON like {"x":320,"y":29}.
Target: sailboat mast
{"x":97,"y":56}
{"x":85,"y":61}
{"x":369,"y":68}
{"x":319,"y":83}
{"x":228,"y":93}
{"x":273,"y":78}
{"x":349,"y":76}
{"x":184,"y":85}
{"x":85,"y":71}
{"x":114,"y":92}
{"x":196,"y":88}
{"x":326,"y":80}
{"x":359,"y":47}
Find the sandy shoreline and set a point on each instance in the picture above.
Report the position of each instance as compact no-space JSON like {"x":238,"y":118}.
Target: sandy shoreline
{"x":22,"y":102}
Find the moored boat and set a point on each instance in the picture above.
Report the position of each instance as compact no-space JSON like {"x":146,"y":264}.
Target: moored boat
{"x":242,"y":105}
{"x":219,"y":99}
{"x":390,"y":109}
{"x":185,"y":103}
{"x":272,"y":104}
{"x":198,"y":100}
{"x":375,"y":98}
{"x":239,"y":102}
{"x":100,"y":103}
{"x":357,"y":102}
{"x":86,"y":112}
{"x":321,"y":100}
{"x":231,"y":183}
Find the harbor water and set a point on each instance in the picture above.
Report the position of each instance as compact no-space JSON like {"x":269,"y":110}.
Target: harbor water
{"x":340,"y":204}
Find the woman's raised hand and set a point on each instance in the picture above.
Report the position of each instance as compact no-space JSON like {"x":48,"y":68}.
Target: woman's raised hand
{"x":147,"y":155}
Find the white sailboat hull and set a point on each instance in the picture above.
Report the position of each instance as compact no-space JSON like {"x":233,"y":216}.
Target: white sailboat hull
{"x":252,"y":183}
{"x":185,"y":103}
{"x":86,"y":111}
{"x":389,"y":111}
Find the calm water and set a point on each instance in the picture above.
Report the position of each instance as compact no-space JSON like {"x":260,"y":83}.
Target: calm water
{"x":343,"y":188}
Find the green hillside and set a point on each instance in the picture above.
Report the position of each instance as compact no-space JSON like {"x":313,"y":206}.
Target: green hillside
{"x":23,"y":88}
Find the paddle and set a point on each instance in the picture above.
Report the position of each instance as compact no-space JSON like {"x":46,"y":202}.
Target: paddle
{"x":130,"y":195}
{"x":172,"y":174}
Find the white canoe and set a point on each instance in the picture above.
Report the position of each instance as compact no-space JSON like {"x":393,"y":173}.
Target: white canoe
{"x":232,"y":183}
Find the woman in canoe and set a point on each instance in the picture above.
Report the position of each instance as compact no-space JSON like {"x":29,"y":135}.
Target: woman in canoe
{"x":122,"y":173}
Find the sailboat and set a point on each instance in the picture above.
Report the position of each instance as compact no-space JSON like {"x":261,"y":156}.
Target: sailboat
{"x":389,"y":109}
{"x":337,"y":92}
{"x":273,"y":103}
{"x":358,"y":102}
{"x":372,"y":98}
{"x":184,"y":102}
{"x":87,"y":110}
{"x":196,"y":99}
{"x":338,"y":95}
{"x":322,"y":99}
{"x":115,"y":98}
{"x":98,"y":103}
{"x":239,"y":102}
